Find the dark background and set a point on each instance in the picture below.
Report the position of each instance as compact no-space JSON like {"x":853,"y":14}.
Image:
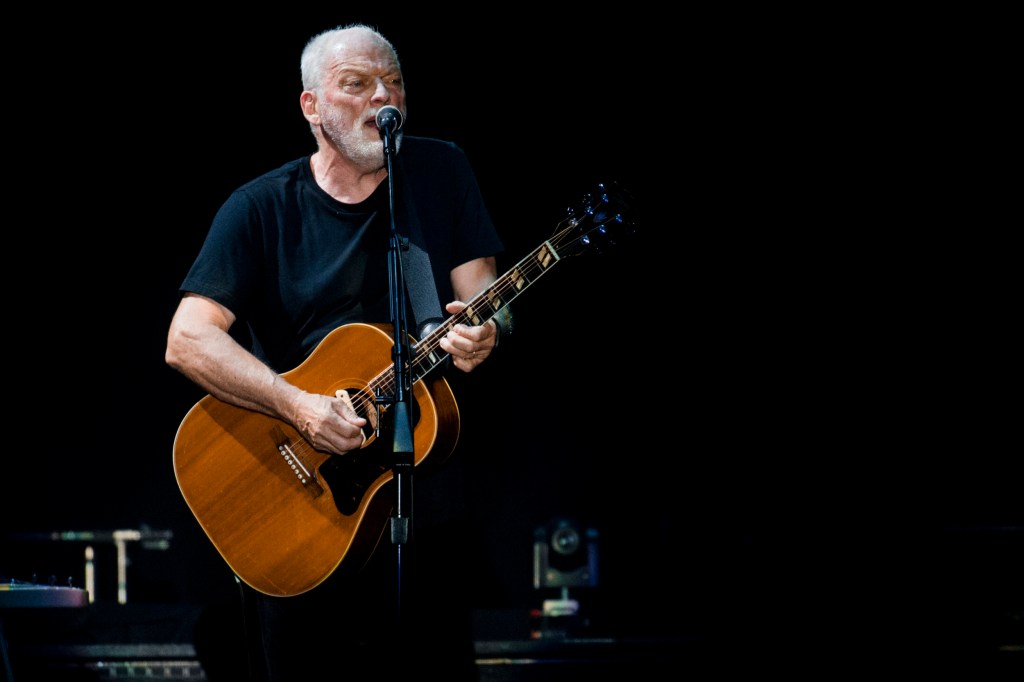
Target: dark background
{"x":774,"y":403}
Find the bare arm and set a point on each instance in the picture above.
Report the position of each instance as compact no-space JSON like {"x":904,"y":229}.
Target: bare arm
{"x":200,"y":347}
{"x":470,"y":346}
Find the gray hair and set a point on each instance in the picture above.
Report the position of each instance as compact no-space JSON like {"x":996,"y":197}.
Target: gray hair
{"x":314,"y":55}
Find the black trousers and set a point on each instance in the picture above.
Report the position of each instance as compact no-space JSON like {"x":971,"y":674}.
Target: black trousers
{"x":405,"y":616}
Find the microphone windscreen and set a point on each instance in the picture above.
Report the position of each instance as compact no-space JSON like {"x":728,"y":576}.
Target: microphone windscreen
{"x":390,"y":118}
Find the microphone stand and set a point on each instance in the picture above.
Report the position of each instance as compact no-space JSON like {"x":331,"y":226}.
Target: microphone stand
{"x":402,"y":431}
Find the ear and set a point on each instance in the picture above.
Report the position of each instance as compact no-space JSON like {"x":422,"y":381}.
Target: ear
{"x":308,"y":103}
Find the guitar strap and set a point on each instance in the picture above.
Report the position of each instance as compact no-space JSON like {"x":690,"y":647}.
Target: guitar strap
{"x":419,"y":275}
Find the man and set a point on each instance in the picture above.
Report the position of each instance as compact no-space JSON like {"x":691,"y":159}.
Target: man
{"x":297,"y":253}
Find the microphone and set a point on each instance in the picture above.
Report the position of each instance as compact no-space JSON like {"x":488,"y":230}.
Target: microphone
{"x":389,"y":120}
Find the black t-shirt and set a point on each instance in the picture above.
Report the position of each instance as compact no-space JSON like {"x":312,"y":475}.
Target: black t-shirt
{"x":292,"y":263}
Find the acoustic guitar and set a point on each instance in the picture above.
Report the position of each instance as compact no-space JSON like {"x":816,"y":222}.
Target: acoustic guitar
{"x":284,"y":515}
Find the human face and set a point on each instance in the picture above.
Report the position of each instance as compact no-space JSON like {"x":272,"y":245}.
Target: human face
{"x":361,"y":76}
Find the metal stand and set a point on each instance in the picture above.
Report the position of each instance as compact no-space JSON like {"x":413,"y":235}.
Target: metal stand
{"x":150,"y":539}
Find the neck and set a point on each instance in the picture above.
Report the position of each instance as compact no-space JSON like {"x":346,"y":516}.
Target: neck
{"x":341,"y":180}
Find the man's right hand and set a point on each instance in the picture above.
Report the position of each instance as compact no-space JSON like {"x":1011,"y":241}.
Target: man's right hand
{"x":331,"y":424}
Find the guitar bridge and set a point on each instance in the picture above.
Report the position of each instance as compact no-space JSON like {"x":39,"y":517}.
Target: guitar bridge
{"x":294,"y":462}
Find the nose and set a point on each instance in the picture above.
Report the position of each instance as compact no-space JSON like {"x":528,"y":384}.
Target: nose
{"x":381,"y":93}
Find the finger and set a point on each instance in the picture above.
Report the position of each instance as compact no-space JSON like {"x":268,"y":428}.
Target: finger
{"x":457,"y":345}
{"x":347,"y":399}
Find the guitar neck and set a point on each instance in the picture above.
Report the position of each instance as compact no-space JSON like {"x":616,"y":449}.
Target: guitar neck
{"x":485,"y":305}
{"x":584,"y":229}
{"x":428,"y":355}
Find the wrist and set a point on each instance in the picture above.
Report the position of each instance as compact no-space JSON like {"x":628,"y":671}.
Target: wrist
{"x":502,"y":325}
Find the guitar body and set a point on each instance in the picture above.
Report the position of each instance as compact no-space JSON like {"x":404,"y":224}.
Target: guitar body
{"x":284,"y":515}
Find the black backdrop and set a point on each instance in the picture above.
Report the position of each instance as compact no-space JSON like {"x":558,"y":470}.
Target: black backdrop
{"x":744,"y":400}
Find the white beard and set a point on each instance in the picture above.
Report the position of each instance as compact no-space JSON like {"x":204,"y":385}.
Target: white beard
{"x":366,"y":154}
